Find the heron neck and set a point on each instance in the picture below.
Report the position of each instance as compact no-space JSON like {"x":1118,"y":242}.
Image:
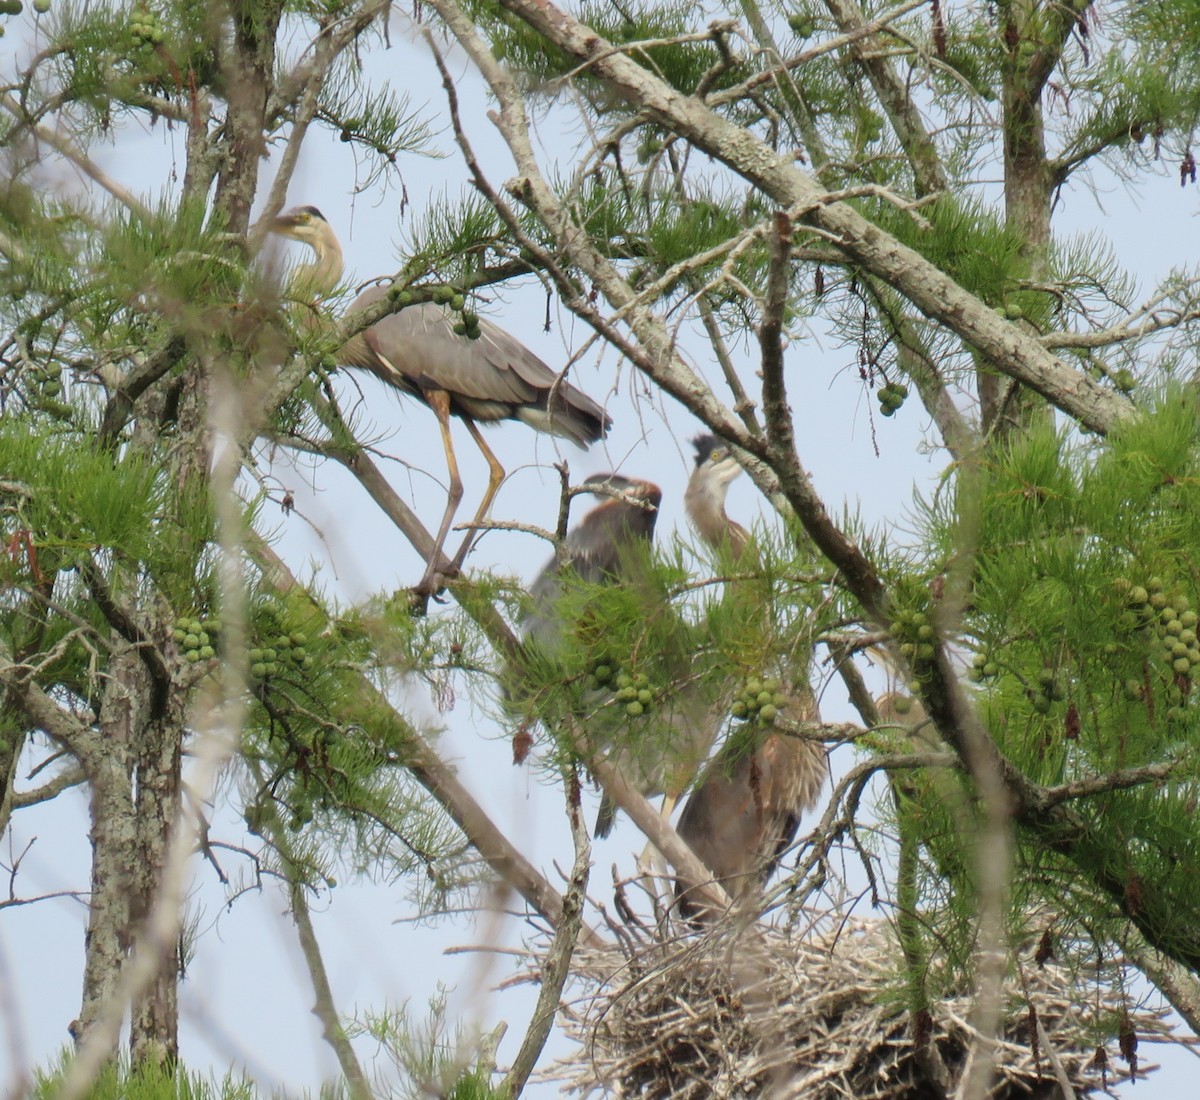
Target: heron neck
{"x":321,"y":276}
{"x":707,"y":512}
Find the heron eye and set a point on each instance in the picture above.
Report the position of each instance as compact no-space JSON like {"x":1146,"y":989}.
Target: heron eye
{"x":719,"y":453}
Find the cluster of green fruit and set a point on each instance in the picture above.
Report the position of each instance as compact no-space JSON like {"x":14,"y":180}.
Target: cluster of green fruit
{"x":145,"y":29}
{"x":631,"y":689}
{"x":1171,"y":619}
{"x":197,"y":638}
{"x":891,"y":397}
{"x":913,"y":631}
{"x":759,"y":701}
{"x":445,"y":296}
{"x":270,"y":660}
{"x":983,"y":667}
{"x":48,"y":379}
{"x":1045,"y":691}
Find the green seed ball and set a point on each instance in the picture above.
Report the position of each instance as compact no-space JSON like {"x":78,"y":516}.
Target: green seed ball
{"x":913,"y":687}
{"x":975,"y":675}
{"x":919,"y":618}
{"x":779,"y":699}
{"x":991,"y":669}
{"x":1127,"y":621}
{"x":470,"y":318}
{"x":213,"y":626}
{"x":52,"y":388}
{"x":179,"y":634}
{"x":192,"y":656}
{"x":1155,"y":584}
{"x":41,"y":6}
{"x":1193,"y":655}
{"x":887,"y":410}
{"x":299,"y":639}
{"x":634,"y":709}
{"x":207,"y":653}
{"x":766,"y":698}
{"x":309,"y":663}
{"x":925,"y":652}
{"x":1124,"y":380}
{"x":753,"y":687}
{"x":979,"y":660}
{"x":474,"y":333}
{"x":627,"y":694}
{"x":191,"y":641}
{"x":1176,"y":714}
{"x":203,"y":637}
{"x":460,"y":329}
{"x":902,"y":704}
{"x":1138,"y":596}
{"x":739,"y":709}
{"x":1111,"y":649}
{"x":768,"y":714}
{"x":1178,"y":649}
{"x":269,"y":655}
{"x":603,"y":673}
{"x":925,"y":633}
{"x":624,"y":680}
{"x":1174,"y":627}
{"x":1182,"y":665}
{"x":1166,"y":614}
{"x":771,"y":683}
{"x":1133,"y":688}
{"x":1046,"y":677}
{"x":640,"y":679}
{"x":272,"y":668}
{"x":1042,"y":705}
{"x":1189,"y":618}
{"x":442,"y":294}
{"x":299,"y":653}
{"x":909,"y":649}
{"x":1158,"y":600}
{"x":645,"y":696}
{"x":457,"y":301}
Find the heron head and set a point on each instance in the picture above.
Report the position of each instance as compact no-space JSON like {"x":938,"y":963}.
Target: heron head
{"x":630,"y":489}
{"x":303,"y":223}
{"x":716,"y":466}
{"x":308,"y":225}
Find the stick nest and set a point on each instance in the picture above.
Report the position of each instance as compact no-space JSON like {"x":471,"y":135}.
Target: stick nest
{"x":761,"y":1012}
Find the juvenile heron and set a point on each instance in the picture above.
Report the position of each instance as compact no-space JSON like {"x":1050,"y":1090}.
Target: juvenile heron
{"x":416,"y":350}
{"x":611,"y":545}
{"x":745,"y":811}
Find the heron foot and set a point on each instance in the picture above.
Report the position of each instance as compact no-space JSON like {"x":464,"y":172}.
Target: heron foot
{"x":431,"y":586}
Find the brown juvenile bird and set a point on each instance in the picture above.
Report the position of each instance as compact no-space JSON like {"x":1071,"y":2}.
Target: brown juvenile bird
{"x":416,"y":350}
{"x":745,"y":811}
{"x":659,"y":751}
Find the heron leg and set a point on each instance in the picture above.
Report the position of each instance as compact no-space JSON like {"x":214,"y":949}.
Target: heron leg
{"x":439,"y":402}
{"x":495,"y":480}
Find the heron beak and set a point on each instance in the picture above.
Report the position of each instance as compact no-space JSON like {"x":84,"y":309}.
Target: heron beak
{"x":285,"y":225}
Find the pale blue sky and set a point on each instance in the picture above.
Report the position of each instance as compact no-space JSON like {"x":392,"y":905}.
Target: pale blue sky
{"x":246,"y":1000}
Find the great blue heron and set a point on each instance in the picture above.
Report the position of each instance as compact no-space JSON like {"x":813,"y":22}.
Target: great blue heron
{"x":745,"y":811}
{"x":494,"y":377}
{"x":660,"y":751}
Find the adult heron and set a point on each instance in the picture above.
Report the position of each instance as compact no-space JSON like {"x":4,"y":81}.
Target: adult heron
{"x":743,"y":814}
{"x":416,"y":350}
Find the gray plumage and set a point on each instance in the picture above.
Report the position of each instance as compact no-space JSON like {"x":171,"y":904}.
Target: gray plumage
{"x":416,"y":350}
